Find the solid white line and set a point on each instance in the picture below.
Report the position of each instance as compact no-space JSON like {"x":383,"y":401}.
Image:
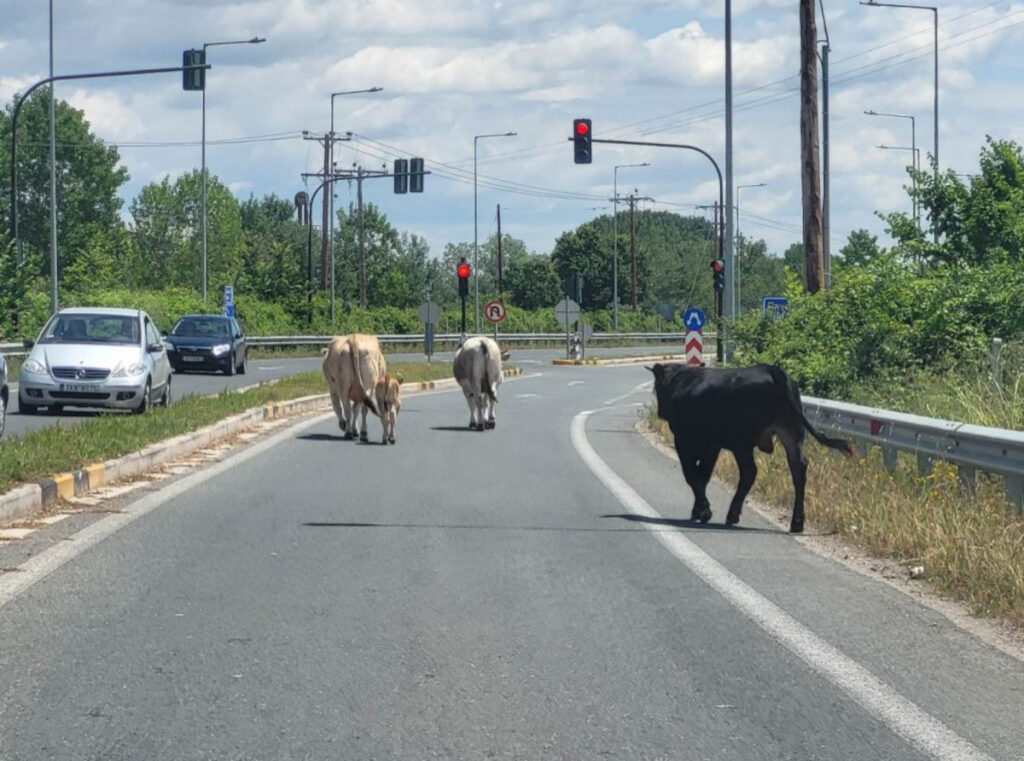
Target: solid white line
{"x":920,"y":729}
{"x":642,"y":387}
{"x":575,"y":383}
{"x":272,"y":367}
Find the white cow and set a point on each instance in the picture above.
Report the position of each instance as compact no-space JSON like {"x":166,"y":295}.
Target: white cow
{"x":352,"y":366}
{"x":477,"y":368}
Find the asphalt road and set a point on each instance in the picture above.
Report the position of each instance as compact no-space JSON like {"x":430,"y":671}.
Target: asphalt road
{"x":523,"y":593}
{"x":268,"y":369}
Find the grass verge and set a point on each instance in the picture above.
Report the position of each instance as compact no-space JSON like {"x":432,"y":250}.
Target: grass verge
{"x":57,"y":449}
{"x":971,"y":547}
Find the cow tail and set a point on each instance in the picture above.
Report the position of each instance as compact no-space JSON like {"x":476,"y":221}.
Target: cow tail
{"x":367,"y":398}
{"x":792,"y":394}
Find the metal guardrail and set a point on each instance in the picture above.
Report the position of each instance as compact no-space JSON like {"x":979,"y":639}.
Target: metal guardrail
{"x":970,"y":447}
{"x":415,"y":338}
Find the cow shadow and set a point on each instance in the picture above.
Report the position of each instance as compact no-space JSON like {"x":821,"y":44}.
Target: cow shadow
{"x":690,"y":524}
{"x":322,"y":437}
{"x":455,"y":428}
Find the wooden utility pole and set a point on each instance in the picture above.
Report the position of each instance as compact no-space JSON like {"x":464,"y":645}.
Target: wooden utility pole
{"x":814,"y":262}
{"x":632,"y":245}
{"x":499,"y":250}
{"x":325,"y":217}
{"x":362,"y":244}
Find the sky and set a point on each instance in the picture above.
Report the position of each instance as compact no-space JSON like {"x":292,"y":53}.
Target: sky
{"x":453,"y":69}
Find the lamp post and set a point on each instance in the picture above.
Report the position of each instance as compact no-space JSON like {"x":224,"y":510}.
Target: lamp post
{"x":913,"y":146}
{"x":615,"y":240}
{"x":935,"y":18}
{"x":330,"y":229}
{"x":476,"y":268}
{"x":253,"y":41}
{"x":915,"y":159}
{"x":737,"y":306}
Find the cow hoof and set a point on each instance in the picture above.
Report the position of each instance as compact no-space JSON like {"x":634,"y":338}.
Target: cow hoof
{"x":732,"y":519}
{"x":391,"y":440}
{"x":796,"y":528}
{"x":703,"y":515}
{"x":363,"y":437}
{"x":349,"y":436}
{"x":489,"y":424}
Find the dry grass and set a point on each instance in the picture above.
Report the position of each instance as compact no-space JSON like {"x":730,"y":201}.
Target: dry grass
{"x":971,"y":547}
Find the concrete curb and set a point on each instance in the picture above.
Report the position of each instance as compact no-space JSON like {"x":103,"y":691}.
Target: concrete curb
{"x":27,"y":499}
{"x":619,"y":360}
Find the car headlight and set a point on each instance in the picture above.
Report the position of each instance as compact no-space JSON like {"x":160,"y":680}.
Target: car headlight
{"x":129,"y":371}
{"x":220,"y":349}
{"x":32,"y":366}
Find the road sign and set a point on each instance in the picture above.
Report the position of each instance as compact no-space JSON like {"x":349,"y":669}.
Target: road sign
{"x":693,"y":319}
{"x":666,"y":311}
{"x":586,"y":332}
{"x":567,"y":312}
{"x":694,"y":348}
{"x":430,"y":313}
{"x":774,"y":305}
{"x":229,"y":301}
{"x":494,"y":311}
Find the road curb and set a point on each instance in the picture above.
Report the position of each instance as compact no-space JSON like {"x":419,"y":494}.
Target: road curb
{"x":25,"y":500}
{"x":619,"y":360}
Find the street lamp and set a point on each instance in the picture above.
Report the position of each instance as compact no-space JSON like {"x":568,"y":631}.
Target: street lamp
{"x":615,"y":240}
{"x":253,"y":41}
{"x":330,"y":229}
{"x":913,"y":145}
{"x":739,"y":243}
{"x":935,"y":18}
{"x":915,"y":159}
{"x":476,"y":268}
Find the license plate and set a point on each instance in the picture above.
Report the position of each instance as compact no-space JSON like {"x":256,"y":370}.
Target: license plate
{"x":192,"y":359}
{"x":76,"y":387}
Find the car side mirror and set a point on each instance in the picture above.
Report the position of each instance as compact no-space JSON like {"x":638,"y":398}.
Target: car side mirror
{"x":155,"y":348}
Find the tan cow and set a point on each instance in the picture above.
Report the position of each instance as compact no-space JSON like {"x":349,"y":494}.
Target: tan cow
{"x":389,"y":401}
{"x":352,"y":366}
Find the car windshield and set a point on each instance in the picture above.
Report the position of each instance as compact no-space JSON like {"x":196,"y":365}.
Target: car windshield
{"x":201,"y":328}
{"x":92,"y":328}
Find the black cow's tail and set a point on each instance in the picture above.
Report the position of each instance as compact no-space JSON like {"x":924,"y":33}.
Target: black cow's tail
{"x":487,"y":381}
{"x":792,"y":394}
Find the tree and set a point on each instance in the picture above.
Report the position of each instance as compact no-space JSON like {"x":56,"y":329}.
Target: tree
{"x":860,"y":249}
{"x":88,"y":173}
{"x":532,"y":282}
{"x":168,"y":230}
{"x":275,"y":250}
{"x":386,"y":285}
{"x":793,"y":257}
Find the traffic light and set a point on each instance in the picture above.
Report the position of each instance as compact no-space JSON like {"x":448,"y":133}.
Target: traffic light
{"x":401,"y":175}
{"x":193,"y":79}
{"x":581,"y":141}
{"x":463,"y":272}
{"x":718,"y":267}
{"x":416,"y":175}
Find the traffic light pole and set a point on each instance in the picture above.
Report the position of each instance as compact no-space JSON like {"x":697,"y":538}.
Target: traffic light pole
{"x":14,"y":143}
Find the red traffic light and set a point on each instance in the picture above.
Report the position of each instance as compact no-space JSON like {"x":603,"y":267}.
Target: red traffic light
{"x":717,"y":265}
{"x":582,"y":128}
{"x":463,"y":270}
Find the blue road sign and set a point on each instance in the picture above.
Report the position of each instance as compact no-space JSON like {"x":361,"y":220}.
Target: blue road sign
{"x":229,"y":301}
{"x":774,"y":305}
{"x":693,"y":319}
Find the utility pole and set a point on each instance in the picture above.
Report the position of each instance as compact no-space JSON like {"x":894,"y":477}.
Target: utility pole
{"x":362,"y":240}
{"x":633,"y":200}
{"x":499,"y":250}
{"x":825,"y":147}
{"x":811,"y":179}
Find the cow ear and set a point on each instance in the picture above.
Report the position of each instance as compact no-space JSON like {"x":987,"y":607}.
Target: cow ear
{"x":648,"y":367}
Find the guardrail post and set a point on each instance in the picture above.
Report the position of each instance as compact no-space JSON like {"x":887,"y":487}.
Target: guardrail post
{"x":924,"y":464}
{"x":890,"y":457}
{"x":995,"y":355}
{"x":968,"y":478}
{"x":1015,"y":493}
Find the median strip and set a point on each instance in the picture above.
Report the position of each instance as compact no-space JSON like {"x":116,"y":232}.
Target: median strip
{"x":135,"y":445}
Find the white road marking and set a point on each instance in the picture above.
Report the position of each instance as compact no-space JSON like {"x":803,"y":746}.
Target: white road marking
{"x":575,"y":383}
{"x":272,"y":367}
{"x":649,"y":385}
{"x":526,"y":396}
{"x":15,"y":533}
{"x":926,"y":733}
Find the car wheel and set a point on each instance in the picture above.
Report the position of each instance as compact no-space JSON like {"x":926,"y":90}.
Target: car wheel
{"x":245,"y":360}
{"x":165,"y":400}
{"x":145,"y":402}
{"x":3,"y":413}
{"x":230,"y":369}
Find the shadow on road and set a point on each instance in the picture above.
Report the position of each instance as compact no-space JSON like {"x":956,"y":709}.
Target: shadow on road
{"x":686,"y":523}
{"x":455,"y":428}
{"x":464,"y":527}
{"x":338,"y":437}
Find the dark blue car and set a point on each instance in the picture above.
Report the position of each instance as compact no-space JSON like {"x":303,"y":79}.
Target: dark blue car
{"x":207,"y":342}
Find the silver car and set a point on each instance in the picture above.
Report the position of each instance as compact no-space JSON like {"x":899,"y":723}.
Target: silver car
{"x":96,"y":357}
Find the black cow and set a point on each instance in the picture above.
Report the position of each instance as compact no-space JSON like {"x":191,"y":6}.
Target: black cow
{"x":711,"y":409}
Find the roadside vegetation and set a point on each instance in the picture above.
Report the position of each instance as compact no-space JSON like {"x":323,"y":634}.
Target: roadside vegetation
{"x":971,"y":548}
{"x":57,"y":449}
